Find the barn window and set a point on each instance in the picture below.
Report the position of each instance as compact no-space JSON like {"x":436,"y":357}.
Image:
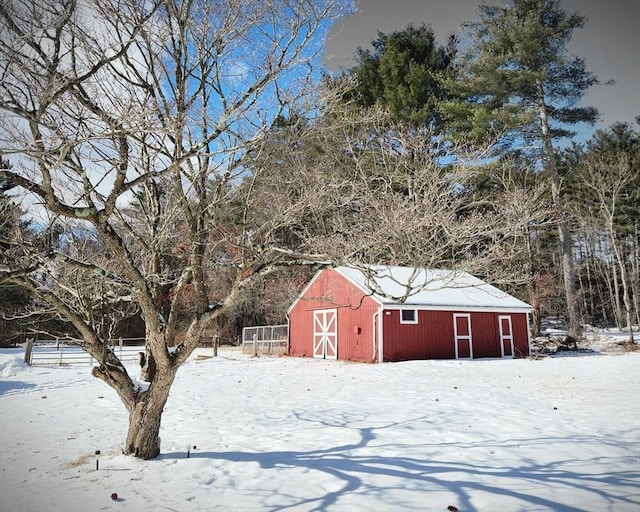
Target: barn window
{"x":408,"y":316}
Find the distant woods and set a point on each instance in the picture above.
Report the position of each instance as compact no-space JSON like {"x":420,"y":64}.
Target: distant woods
{"x":241,"y":174}
{"x":510,"y":86}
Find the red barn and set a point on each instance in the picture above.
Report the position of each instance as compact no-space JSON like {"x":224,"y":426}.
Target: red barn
{"x":379,"y":313}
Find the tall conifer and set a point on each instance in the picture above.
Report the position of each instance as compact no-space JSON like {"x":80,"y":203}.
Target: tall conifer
{"x":519,"y":81}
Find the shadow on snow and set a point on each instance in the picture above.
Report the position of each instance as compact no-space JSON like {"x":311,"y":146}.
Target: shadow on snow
{"x":8,"y":387}
{"x":355,"y":473}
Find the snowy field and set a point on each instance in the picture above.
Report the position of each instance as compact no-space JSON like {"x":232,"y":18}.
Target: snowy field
{"x":276,"y":434}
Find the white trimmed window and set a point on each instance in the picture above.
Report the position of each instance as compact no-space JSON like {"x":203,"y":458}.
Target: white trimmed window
{"x":408,"y":316}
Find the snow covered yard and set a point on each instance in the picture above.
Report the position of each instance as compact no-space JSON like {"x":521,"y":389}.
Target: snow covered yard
{"x":271,"y":434}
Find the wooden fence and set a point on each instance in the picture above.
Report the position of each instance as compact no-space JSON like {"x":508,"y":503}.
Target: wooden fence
{"x":265,"y":339}
{"x":67,"y":351}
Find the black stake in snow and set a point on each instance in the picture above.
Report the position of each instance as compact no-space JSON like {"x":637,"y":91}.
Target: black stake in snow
{"x":97,"y":459}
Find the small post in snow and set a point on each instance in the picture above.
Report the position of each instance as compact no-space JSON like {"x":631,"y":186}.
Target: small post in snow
{"x":28,"y":351}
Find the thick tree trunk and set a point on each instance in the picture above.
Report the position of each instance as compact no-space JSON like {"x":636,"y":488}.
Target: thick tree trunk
{"x":569,"y":279}
{"x":564,"y":234}
{"x":535,"y":322}
{"x":143,"y":436}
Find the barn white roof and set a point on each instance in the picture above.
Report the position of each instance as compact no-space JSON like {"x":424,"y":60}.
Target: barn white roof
{"x":430,"y":287}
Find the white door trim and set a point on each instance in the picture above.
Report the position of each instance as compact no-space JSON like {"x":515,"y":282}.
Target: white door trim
{"x":505,"y":336}
{"x":462,"y":337}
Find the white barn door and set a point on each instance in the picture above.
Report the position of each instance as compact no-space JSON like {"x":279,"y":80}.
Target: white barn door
{"x":462,"y":335}
{"x":506,"y":335}
{"x":325,"y":334}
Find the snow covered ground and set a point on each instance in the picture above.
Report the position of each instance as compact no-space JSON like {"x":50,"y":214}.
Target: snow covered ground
{"x":275,"y":434}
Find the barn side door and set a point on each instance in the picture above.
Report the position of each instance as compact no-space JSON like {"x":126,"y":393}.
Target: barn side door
{"x":325,"y":334}
{"x":462,"y":335}
{"x":506,"y":335}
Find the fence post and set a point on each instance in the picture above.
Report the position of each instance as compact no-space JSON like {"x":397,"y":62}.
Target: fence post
{"x":215,"y":345}
{"x":255,"y":344}
{"x":120,"y":342}
{"x":28,"y":351}
{"x":61,"y":352}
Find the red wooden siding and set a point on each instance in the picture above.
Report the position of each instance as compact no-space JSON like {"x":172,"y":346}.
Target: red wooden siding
{"x":520,"y":326}
{"x":433,"y":336}
{"x":355,"y":313}
{"x":430,"y":338}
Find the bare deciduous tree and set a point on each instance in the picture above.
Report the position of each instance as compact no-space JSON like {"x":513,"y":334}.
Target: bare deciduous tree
{"x":608,"y":180}
{"x":99,"y":100}
{"x":360,"y":190}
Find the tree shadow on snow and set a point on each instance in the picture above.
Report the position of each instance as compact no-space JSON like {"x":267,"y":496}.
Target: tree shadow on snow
{"x":8,"y":387}
{"x":357,"y":474}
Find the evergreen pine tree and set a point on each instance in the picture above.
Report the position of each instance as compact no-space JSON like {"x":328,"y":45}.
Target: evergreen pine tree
{"x":406,"y":73}
{"x":520,"y":81}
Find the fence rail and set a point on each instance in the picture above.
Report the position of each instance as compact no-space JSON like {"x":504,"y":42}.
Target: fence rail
{"x":265,"y":339}
{"x":67,"y":351}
